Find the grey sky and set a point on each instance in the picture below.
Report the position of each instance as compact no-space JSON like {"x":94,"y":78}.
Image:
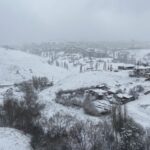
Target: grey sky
{"x":93,"y":20}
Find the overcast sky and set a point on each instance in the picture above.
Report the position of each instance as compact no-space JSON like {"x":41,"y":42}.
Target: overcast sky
{"x":24,"y":21}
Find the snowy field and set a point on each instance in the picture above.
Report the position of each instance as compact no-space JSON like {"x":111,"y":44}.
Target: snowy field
{"x":140,"y":110}
{"x":17,"y":66}
{"x":11,"y":139}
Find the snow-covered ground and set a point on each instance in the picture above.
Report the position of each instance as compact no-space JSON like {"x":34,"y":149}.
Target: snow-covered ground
{"x":12,"y":139}
{"x":79,"y":80}
{"x":18,"y":66}
{"x":139,"y":110}
{"x":51,"y":108}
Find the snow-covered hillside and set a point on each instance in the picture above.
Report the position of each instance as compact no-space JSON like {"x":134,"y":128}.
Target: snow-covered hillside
{"x":17,"y":66}
{"x":12,"y":139}
{"x":140,"y":110}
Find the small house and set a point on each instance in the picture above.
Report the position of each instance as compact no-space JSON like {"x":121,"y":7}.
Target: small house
{"x":126,"y":67}
{"x":124,"y":98}
{"x":103,"y":87}
{"x":112,"y":91}
{"x":140,"y":72}
{"x":147,"y":75}
{"x":147,"y":92}
{"x":98,"y":93}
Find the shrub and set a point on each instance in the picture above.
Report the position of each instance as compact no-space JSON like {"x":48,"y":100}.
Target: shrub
{"x":139,"y":88}
{"x":70,"y":97}
{"x":54,"y":138}
{"x":90,"y":136}
{"x":134,"y":93}
{"x":128,"y":133}
{"x":131,"y":136}
{"x":38,"y":83}
{"x":41,"y":82}
{"x":22,"y":114}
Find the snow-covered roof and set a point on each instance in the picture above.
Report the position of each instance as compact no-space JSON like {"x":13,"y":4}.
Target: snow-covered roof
{"x":120,"y":95}
{"x":113,"y":90}
{"x":99,"y":91}
{"x":142,"y":67}
{"x":126,"y":65}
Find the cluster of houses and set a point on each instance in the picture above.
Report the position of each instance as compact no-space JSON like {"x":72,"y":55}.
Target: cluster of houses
{"x":126,"y":67}
{"x":140,"y":71}
{"x":136,"y":71}
{"x":105,"y":98}
{"x":108,"y":94}
{"x":101,"y":96}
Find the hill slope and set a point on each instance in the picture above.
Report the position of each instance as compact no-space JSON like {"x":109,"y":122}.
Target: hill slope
{"x":17,"y":66}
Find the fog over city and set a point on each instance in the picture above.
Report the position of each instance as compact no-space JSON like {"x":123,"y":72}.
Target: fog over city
{"x":74,"y":20}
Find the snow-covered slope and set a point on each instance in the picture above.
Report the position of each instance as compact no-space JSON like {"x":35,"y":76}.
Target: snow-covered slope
{"x":12,"y":139}
{"x":16,"y":66}
{"x":139,"y":110}
{"x":93,"y":78}
{"x":80,"y":80}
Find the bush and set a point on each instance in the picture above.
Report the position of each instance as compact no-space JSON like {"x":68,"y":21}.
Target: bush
{"x":128,"y":133}
{"x":90,"y":136}
{"x":131,"y":136}
{"x":134,"y":93}
{"x":70,"y":97}
{"x":22,"y":114}
{"x":38,"y":83}
{"x":54,"y":138}
{"x":135,"y":90}
{"x":139,"y":88}
{"x":41,"y":82}
{"x":67,"y":133}
{"x":58,"y":124}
